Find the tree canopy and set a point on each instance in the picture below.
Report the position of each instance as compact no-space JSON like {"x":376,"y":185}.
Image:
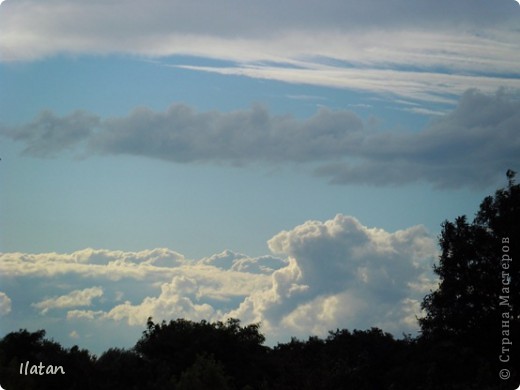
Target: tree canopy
{"x":470,"y":269}
{"x":475,"y":310}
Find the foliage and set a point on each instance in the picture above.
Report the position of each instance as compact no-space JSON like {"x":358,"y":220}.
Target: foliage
{"x":477,"y":303}
{"x":172,"y":348}
{"x":205,"y":373}
{"x":120,"y":369}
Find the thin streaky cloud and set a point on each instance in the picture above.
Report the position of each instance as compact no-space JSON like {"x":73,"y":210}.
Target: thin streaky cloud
{"x":419,"y":86}
{"x":466,"y":45}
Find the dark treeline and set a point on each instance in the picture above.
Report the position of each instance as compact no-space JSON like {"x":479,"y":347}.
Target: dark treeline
{"x":469,"y":339}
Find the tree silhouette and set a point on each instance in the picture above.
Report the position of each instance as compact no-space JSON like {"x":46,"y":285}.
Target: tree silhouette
{"x":120,"y":369}
{"x":479,"y":291}
{"x":172,"y":348}
{"x":205,"y":373}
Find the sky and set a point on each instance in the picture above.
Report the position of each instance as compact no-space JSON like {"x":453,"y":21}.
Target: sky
{"x":285,"y":163}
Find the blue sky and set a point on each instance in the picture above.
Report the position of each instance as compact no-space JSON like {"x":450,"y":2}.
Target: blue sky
{"x":284,"y":163}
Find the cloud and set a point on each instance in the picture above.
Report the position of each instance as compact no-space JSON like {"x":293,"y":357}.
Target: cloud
{"x":391,"y":81}
{"x":73,"y":299}
{"x":183,"y":135}
{"x":320,"y":275}
{"x":180,"y":134}
{"x":214,"y":279}
{"x":48,"y":135}
{"x":5,"y":304}
{"x":229,"y":260}
{"x":342,"y":272}
{"x":176,"y":300}
{"x":397,"y":47}
{"x":471,"y":146}
{"x":161,"y":27}
{"x":93,"y":263}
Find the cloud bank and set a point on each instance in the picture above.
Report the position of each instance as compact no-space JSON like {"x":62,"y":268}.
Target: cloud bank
{"x":392,"y":47}
{"x":472,"y":146}
{"x":324,"y":275}
{"x":163,"y":27}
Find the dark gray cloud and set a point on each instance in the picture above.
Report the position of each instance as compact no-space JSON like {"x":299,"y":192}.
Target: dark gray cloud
{"x":96,"y":24}
{"x":471,"y":146}
{"x":183,"y":135}
{"x":47,"y":135}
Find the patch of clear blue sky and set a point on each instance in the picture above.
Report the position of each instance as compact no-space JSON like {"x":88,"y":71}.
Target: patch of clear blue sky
{"x":112,"y":86}
{"x":133,"y":203}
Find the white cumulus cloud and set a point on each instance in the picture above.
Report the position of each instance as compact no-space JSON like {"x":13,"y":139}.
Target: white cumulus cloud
{"x":5,"y":304}
{"x":72,"y":299}
{"x":342,"y":272}
{"x":320,"y":275}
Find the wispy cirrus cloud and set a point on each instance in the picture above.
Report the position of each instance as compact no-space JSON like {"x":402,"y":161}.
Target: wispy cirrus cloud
{"x":422,"y":50}
{"x":423,"y":84}
{"x":471,"y":146}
